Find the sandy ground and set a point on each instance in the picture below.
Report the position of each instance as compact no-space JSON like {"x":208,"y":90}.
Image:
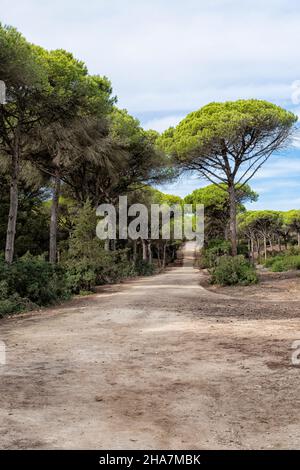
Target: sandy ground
{"x":158,"y":362}
{"x":273,"y":287}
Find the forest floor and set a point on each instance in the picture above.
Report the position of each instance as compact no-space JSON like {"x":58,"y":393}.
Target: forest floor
{"x":158,"y":362}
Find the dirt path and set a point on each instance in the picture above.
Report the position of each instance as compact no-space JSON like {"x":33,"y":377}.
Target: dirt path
{"x":155,"y":363}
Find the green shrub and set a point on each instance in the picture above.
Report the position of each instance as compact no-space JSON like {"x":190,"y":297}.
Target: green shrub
{"x":80,"y":276}
{"x":10,"y":303}
{"x":284,"y":261}
{"x":3,"y":289}
{"x":143,"y":268}
{"x":270,"y":261}
{"x":28,"y":282}
{"x":231,"y":270}
{"x":14,"y":304}
{"x":104,"y":267}
{"x":31,"y":281}
{"x":277,"y":266}
{"x":210,"y":254}
{"x":37,"y":280}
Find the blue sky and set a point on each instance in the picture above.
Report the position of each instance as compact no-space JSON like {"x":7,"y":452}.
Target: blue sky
{"x":168,"y":57}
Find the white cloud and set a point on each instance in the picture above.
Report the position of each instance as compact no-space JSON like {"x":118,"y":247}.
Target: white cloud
{"x":161,"y":124}
{"x":296,"y":142}
{"x":275,"y":203}
{"x":279,"y":167}
{"x":167,"y":58}
{"x":182,"y":187}
{"x":268,"y":186}
{"x":192,"y":98}
{"x":173,"y":55}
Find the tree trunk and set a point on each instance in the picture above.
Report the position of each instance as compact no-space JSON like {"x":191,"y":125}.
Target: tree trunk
{"x":164,"y":255}
{"x":134,"y":252}
{"x":298,"y":237}
{"x":258,"y":249}
{"x":13,"y":204}
{"x":150,"y":252}
{"x":226,"y":231}
{"x":158,"y":255}
{"x":53,"y":221}
{"x":232,"y":216}
{"x":271,"y":245}
{"x":144,"y":250}
{"x":265,"y":247}
{"x":252,"y":250}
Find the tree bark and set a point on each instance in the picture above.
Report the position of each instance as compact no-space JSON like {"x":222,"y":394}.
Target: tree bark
{"x":157,"y":247}
{"x":158,"y":255}
{"x":134,"y":252}
{"x":150,"y":252}
{"x":226,"y":232}
{"x":271,"y":245}
{"x":13,"y":204}
{"x":298,"y":237}
{"x":232,"y":218}
{"x":265,"y":247}
{"x":144,"y":250}
{"x":258,"y":249}
{"x":252,"y":250}
{"x":164,"y":255}
{"x":53,"y":221}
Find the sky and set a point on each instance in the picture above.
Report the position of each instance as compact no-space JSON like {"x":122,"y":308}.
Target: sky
{"x":166,"y":58}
